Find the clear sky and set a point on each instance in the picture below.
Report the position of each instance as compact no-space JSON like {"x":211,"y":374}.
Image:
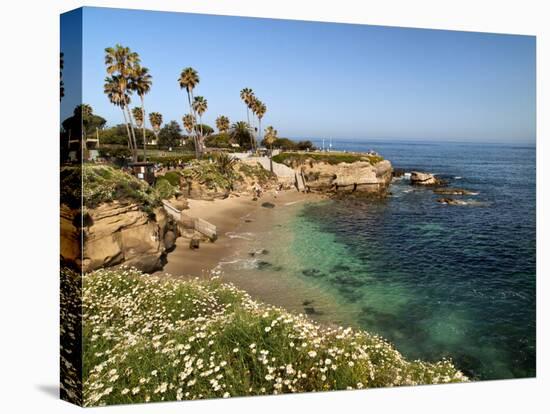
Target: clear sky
{"x":325,"y":79}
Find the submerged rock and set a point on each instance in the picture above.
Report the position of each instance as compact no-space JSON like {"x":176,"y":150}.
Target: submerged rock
{"x":312,"y":272}
{"x":453,"y":191}
{"x":267,"y":204}
{"x":452,"y":201}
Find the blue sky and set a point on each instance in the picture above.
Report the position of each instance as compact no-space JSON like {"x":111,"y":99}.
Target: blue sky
{"x":325,"y":79}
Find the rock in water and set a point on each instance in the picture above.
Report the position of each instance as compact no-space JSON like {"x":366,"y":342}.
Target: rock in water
{"x":451,"y":202}
{"x":267,"y":204}
{"x":453,"y":191}
{"x":194,"y":243}
{"x":420,"y":178}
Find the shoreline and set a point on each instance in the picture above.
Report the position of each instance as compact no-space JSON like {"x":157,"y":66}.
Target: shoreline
{"x":228,"y":215}
{"x":241,"y":222}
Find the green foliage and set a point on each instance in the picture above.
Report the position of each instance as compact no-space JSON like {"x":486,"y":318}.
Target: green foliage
{"x":173,"y":177}
{"x":256,"y":172}
{"x":209,"y":174}
{"x":115,"y":152}
{"x":171,"y":160}
{"x":206,"y":129}
{"x":294,"y":158}
{"x":170,"y":135}
{"x":165,"y":189}
{"x":221,"y":140}
{"x":103,"y":184}
{"x":71,"y":186}
{"x":289,"y":145}
{"x":148,"y":338}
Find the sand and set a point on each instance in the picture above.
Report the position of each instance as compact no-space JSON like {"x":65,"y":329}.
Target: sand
{"x":228,"y":215}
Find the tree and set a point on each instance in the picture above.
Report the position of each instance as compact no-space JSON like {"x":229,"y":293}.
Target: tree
{"x":200,"y":105}
{"x":270,"y":137}
{"x":247,"y":96}
{"x":189,"y":123}
{"x":259,"y":109}
{"x":222,"y":123}
{"x":114,"y":92}
{"x":189,"y":79}
{"x":170,"y":135}
{"x":120,"y":62}
{"x":206,"y":129}
{"x":140,"y":82}
{"x":155,"y":119}
{"x":240,"y":133}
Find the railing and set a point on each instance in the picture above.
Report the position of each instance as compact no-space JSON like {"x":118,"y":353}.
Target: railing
{"x":198,"y":224}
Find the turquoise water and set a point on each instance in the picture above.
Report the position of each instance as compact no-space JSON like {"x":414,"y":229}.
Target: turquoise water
{"x":436,"y":280}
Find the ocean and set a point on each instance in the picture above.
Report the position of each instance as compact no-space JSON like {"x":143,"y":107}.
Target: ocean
{"x":438,"y":281}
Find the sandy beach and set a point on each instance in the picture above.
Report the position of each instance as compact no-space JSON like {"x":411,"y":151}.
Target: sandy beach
{"x":230,"y":216}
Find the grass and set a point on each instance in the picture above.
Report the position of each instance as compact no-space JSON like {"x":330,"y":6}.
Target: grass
{"x":103,"y":183}
{"x":158,"y":339}
{"x":333,"y":158}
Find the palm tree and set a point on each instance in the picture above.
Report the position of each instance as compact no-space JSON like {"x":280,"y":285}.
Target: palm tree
{"x":247,"y":95}
{"x":118,"y":98}
{"x":189,"y":123}
{"x":260,"y":110}
{"x":120,"y":62}
{"x":155,"y":119}
{"x":222,"y":123}
{"x":270,"y":137}
{"x":189,"y":79}
{"x":240,"y":133}
{"x":200,"y":105}
{"x":140,"y":82}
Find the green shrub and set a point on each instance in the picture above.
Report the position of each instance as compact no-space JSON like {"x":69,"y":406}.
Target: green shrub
{"x":103,"y":184}
{"x":298,"y":158}
{"x":165,"y":189}
{"x":148,"y":338}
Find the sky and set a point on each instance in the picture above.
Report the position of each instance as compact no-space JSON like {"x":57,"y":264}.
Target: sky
{"x":323,"y":79}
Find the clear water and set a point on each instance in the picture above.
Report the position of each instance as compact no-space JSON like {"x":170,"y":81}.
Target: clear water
{"x":436,"y":280}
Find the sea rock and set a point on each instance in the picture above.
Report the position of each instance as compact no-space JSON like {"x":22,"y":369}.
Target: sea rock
{"x":398,"y":172}
{"x":120,"y":233}
{"x":453,"y":191}
{"x":452,"y":201}
{"x":267,"y":204}
{"x":421,"y":178}
{"x":194,"y":243}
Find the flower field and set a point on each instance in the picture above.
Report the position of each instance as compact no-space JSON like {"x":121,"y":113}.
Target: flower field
{"x":159,"y":339}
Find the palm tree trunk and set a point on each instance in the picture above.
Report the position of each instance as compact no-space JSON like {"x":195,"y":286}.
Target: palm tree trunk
{"x":143,"y":118}
{"x":130,"y":146}
{"x":134,"y":154}
{"x":193,"y":132}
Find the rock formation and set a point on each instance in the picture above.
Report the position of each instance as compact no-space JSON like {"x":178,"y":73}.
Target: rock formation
{"x":359,"y":176}
{"x":421,"y":178}
{"x":116,"y":233}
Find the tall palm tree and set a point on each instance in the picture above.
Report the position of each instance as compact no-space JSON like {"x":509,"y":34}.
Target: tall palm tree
{"x":247,"y":96}
{"x":140,"y":82}
{"x":155,"y":119}
{"x":118,"y":98}
{"x":189,"y":123}
{"x":270,"y":137}
{"x":200,"y":105}
{"x":222,"y":123}
{"x":260,"y":110}
{"x":189,"y":79}
{"x":120,"y":62}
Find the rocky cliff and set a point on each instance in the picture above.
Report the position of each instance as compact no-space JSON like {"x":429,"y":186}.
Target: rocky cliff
{"x":358,"y":176}
{"x":117,"y":233}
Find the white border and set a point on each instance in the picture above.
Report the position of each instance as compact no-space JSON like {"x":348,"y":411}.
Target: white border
{"x":29,"y":287}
